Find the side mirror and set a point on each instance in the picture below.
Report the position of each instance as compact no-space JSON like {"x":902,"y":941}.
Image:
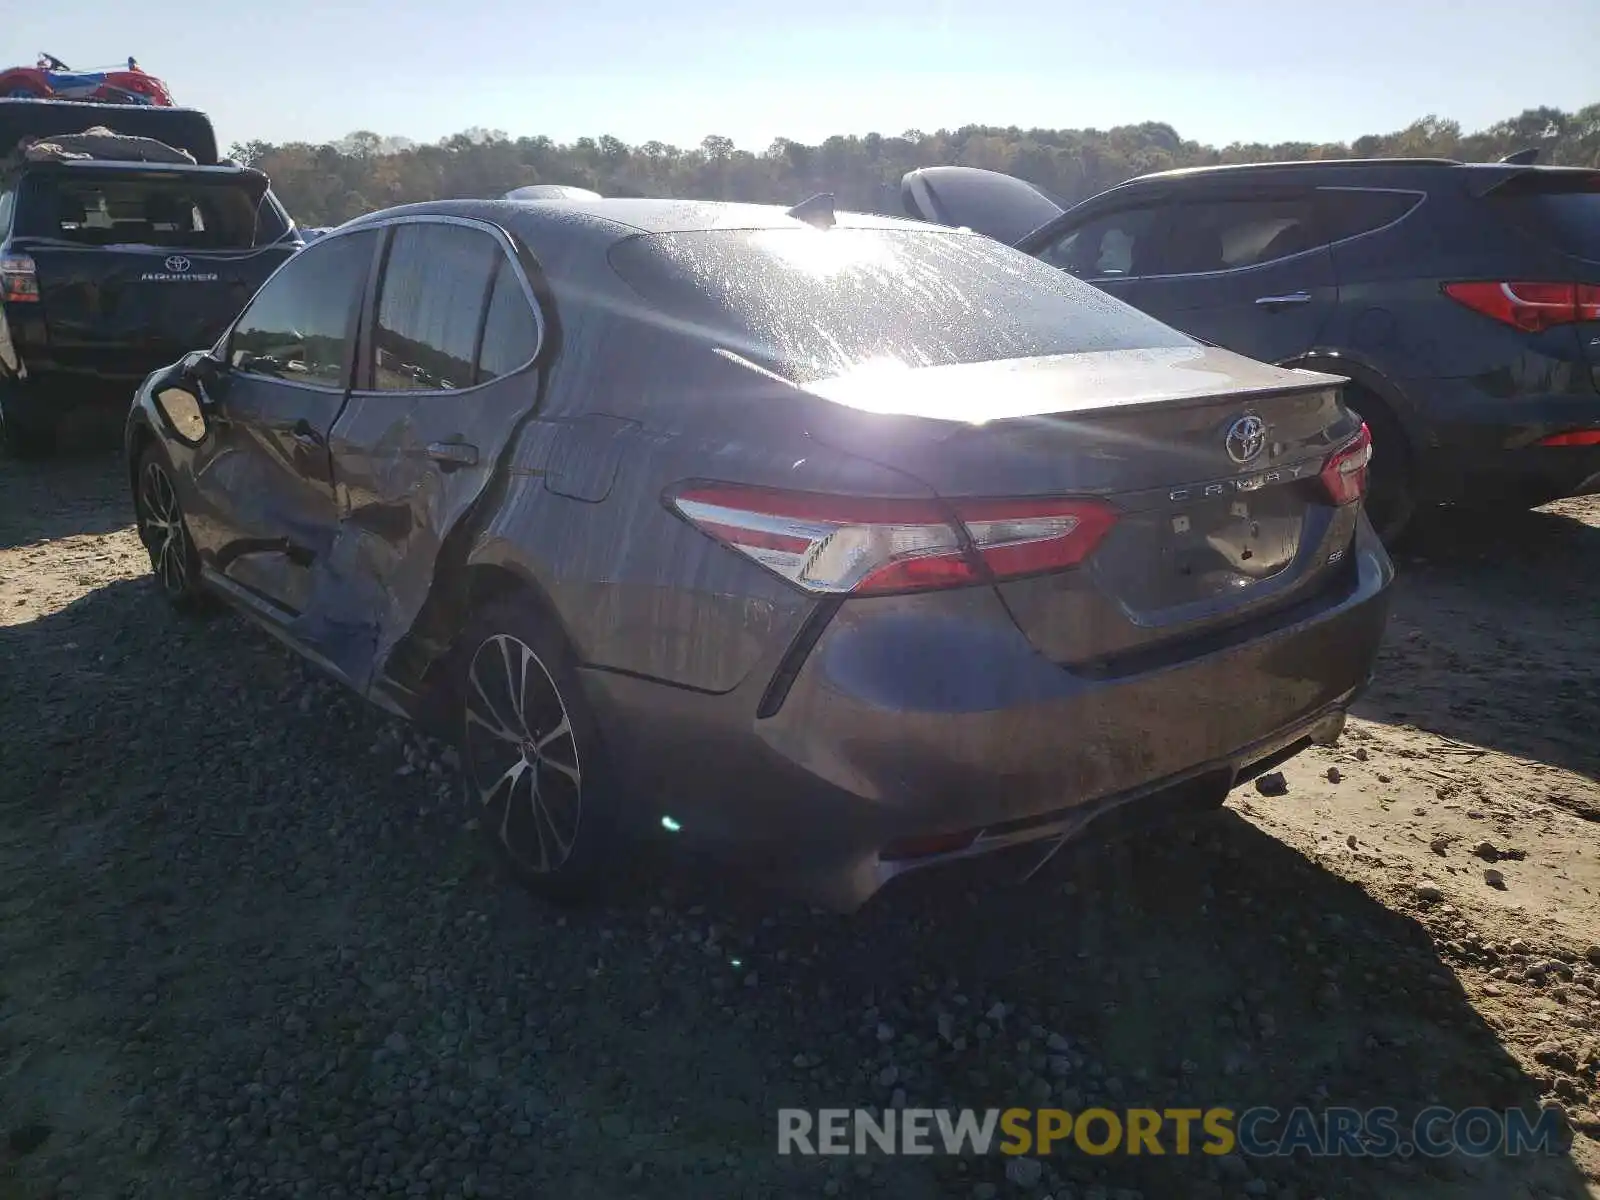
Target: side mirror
{"x":182,"y":413}
{"x":202,"y":366}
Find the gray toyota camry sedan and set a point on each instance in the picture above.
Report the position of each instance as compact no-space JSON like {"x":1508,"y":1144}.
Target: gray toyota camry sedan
{"x":834,"y":545}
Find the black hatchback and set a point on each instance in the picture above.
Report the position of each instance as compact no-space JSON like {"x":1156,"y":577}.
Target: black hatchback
{"x":1462,"y":300}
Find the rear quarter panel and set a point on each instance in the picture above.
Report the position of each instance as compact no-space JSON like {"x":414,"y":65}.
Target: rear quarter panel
{"x":632,"y":409}
{"x":1394,"y":316}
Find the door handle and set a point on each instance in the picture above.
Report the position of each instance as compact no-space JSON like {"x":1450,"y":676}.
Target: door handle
{"x":453,"y":454}
{"x":1293,"y":298}
{"x":306,"y":436}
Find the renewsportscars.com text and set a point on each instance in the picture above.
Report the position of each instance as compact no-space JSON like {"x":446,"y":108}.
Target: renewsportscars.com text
{"x":1257,"y":1132}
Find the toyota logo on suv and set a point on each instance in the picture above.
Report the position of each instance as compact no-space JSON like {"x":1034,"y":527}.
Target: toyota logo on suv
{"x":177,"y":264}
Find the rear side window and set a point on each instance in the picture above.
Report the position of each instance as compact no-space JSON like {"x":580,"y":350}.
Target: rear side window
{"x":810,"y":303}
{"x":297,"y":327}
{"x":434,"y":288}
{"x":1562,"y":212}
{"x":177,"y":211}
{"x":1350,"y":212}
{"x":1113,"y":246}
{"x":1224,"y":235}
{"x":8,"y":202}
{"x":510,"y":331}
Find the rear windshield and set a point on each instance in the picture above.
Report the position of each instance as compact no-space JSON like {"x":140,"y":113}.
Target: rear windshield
{"x":1567,"y":219}
{"x":811,"y":303}
{"x":196,"y":214}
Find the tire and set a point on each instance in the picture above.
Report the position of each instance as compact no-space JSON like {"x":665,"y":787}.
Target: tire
{"x":1391,"y":497}
{"x":165,"y":533}
{"x":533,"y":765}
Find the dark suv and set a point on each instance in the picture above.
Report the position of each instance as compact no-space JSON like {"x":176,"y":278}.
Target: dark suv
{"x":119,"y":250}
{"x":1461,"y":300}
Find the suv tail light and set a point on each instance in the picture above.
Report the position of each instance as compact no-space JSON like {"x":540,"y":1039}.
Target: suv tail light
{"x":863,"y":546}
{"x":19,"y":280}
{"x":1344,"y":475}
{"x":1576,"y":437}
{"x":1531,"y":307}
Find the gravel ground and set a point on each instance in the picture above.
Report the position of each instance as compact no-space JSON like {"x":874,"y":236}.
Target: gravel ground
{"x":250,"y":944}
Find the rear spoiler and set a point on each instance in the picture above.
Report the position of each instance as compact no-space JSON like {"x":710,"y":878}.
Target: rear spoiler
{"x":1501,"y":179}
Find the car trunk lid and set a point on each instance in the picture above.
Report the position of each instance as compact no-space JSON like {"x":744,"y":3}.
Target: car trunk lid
{"x":1212,"y":461}
{"x":1001,"y":206}
{"x":115,"y":308}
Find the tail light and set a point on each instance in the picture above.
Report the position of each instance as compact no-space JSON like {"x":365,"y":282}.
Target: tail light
{"x":857,"y":546}
{"x":1531,"y":307}
{"x":1577,"y":437}
{"x":1344,"y":475}
{"x":19,"y":280}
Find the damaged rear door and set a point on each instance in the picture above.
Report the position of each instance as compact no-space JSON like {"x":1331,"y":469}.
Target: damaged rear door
{"x":446,"y":376}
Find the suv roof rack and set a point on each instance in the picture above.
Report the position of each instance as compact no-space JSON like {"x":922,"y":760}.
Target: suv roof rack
{"x":1300,"y":164}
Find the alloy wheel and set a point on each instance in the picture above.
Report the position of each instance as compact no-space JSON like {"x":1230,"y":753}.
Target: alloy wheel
{"x":521,"y":754}
{"x":162,"y":530}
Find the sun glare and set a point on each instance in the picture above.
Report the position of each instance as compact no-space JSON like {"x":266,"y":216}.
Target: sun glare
{"x":822,"y":253}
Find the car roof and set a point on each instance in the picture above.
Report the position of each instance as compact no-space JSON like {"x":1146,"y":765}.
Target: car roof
{"x":619,"y":216}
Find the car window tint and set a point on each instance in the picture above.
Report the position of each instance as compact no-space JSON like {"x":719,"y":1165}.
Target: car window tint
{"x":1117,"y":244}
{"x":510,"y":332}
{"x":434,"y":287}
{"x":297,"y":327}
{"x":1348,"y":213}
{"x":1223,"y":235}
{"x":809,"y":303}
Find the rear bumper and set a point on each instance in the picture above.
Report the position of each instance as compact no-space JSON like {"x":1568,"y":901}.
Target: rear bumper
{"x":917,"y":717}
{"x":1481,"y":447}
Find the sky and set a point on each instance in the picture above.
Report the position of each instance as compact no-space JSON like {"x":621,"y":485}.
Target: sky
{"x":1220,"y":71}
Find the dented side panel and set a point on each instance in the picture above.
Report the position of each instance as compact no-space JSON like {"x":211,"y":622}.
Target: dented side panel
{"x":583,"y":514}
{"x":408,"y":467}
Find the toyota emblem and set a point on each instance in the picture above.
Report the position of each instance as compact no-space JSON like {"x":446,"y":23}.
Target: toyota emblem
{"x":177,"y":264}
{"x":1246,"y":438}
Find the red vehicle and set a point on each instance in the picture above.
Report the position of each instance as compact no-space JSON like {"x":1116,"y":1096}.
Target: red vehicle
{"x":52,"y":79}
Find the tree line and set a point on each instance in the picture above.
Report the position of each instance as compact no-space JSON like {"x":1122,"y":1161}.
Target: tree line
{"x":329,"y":183}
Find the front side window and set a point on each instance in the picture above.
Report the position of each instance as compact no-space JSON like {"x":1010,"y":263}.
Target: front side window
{"x":434,"y":288}
{"x":1224,"y":235}
{"x":1115,"y":245}
{"x":298,"y":326}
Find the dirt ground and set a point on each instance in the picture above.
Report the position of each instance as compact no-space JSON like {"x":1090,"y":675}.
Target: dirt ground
{"x":250,"y":946}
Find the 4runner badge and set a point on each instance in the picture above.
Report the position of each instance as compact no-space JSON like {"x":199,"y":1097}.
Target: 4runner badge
{"x":177,"y":270}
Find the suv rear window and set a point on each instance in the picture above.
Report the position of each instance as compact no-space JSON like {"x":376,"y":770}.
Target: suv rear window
{"x":809,"y":303}
{"x":195,"y":214}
